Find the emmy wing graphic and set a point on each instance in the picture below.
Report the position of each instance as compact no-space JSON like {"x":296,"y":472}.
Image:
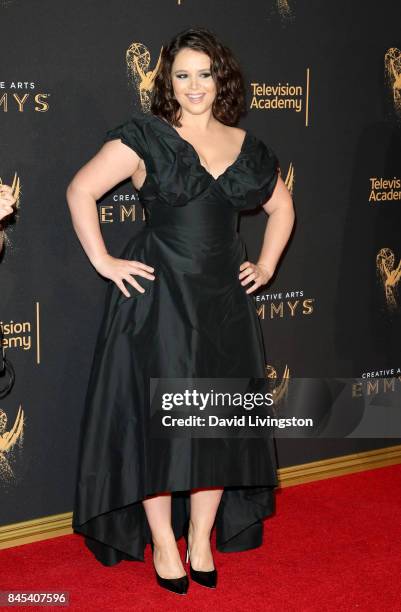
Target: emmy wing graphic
{"x":389,"y":275}
{"x":279,"y":390}
{"x":8,"y":440}
{"x":138,"y":62}
{"x":392,"y":63}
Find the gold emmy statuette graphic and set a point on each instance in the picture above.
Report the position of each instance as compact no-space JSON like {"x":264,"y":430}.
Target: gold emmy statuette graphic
{"x":290,"y":179}
{"x":8,"y":440}
{"x":16,"y":191}
{"x":138,"y":61}
{"x":392,"y":64}
{"x":277,"y":389}
{"x":389,"y":275}
{"x":284,"y":8}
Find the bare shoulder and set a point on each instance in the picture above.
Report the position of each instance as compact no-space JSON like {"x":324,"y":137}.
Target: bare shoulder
{"x":236,"y":134}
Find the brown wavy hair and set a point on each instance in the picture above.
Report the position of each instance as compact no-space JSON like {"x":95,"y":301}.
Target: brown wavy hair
{"x":229,"y":103}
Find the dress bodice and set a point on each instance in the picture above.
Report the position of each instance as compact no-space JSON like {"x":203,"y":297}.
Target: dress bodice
{"x":175,"y":175}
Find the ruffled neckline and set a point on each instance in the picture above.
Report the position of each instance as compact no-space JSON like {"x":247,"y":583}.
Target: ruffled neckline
{"x":176,"y":175}
{"x":248,"y":138}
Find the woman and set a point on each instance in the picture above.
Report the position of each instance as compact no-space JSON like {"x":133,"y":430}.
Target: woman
{"x":188,"y":313}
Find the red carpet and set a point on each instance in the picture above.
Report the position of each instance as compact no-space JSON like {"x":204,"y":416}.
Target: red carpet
{"x":332,"y":545}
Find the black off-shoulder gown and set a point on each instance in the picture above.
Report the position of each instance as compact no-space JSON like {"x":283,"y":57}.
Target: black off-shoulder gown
{"x":194,"y":320}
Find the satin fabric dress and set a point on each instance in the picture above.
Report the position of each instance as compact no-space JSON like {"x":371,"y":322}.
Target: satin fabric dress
{"x":194,"y":320}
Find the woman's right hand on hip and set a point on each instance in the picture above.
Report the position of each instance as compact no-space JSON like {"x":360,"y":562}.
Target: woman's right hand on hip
{"x":118,"y":270}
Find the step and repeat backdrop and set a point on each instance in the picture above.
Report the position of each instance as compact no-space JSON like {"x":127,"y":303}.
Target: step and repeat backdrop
{"x":323,"y":87}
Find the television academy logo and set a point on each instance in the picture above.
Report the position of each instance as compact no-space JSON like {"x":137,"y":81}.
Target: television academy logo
{"x":384,"y":190}
{"x":20,"y":334}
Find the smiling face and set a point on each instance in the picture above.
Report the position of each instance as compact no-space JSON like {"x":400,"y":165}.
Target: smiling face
{"x":193,"y":84}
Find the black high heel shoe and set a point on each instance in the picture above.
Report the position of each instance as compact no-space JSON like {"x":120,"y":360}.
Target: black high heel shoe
{"x":176,"y":585}
{"x":206,"y":579}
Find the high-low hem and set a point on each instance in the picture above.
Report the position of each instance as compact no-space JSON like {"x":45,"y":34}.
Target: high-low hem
{"x":233,"y":532}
